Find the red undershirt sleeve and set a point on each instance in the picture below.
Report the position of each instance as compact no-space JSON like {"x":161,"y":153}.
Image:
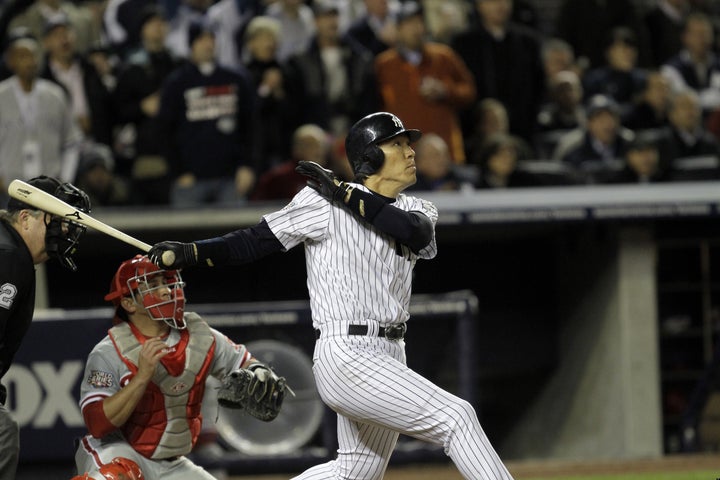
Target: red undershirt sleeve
{"x":97,"y":423}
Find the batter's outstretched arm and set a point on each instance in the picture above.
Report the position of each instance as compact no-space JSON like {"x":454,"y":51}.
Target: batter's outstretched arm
{"x":413,"y":229}
{"x":241,"y":246}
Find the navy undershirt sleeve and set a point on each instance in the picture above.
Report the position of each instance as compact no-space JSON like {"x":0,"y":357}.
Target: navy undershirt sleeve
{"x":241,"y":246}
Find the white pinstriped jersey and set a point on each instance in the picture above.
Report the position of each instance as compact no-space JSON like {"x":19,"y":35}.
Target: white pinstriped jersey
{"x":354,"y":270}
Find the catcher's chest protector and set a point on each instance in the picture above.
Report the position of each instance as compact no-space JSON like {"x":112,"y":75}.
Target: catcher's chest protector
{"x":167,"y":420}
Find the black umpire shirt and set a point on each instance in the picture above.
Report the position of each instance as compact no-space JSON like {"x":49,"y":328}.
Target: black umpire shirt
{"x":17,"y":293}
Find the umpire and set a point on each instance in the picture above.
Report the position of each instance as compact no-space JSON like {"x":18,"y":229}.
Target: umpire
{"x":28,"y":237}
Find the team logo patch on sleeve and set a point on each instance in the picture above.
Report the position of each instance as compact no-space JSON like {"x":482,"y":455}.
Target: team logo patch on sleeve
{"x":100,"y":379}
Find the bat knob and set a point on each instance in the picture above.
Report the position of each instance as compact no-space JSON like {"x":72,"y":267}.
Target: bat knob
{"x":168,"y":258}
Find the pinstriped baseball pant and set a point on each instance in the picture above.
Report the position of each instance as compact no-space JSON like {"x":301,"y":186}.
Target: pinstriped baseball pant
{"x":376,"y":396}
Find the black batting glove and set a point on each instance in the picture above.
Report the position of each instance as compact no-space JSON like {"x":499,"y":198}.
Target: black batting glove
{"x":173,"y":255}
{"x":324,"y":181}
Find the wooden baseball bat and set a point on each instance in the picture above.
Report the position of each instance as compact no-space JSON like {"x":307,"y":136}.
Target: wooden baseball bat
{"x":42,"y":200}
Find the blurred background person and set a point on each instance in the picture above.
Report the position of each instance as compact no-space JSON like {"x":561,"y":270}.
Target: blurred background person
{"x":38,"y":134}
{"x":89,"y":99}
{"x":297,"y":24}
{"x":498,"y":164}
{"x":425,"y":81}
{"x":664,"y":21}
{"x":686,"y":135}
{"x":446,"y":18}
{"x":309,"y":143}
{"x":271,"y":123}
{"x":187,"y":14}
{"x":96,"y":177}
{"x":436,"y":169}
{"x":650,"y":109}
{"x":504,"y":58}
{"x":619,"y":76}
{"x":205,"y":121}
{"x":562,"y":112}
{"x":696,"y":66}
{"x":229,"y":20}
{"x":41,"y":12}
{"x":584,"y":24}
{"x":490,"y":118}
{"x":596,"y":148}
{"x":375,"y":30}
{"x":558,"y":56}
{"x":332,"y":83}
{"x":641,"y":163}
{"x":137,"y":142}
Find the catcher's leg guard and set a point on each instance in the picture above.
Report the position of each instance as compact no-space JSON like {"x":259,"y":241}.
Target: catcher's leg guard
{"x":119,"y":468}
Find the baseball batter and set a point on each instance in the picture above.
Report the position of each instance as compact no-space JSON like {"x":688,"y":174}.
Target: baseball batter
{"x":144,"y":382}
{"x":361,"y":242}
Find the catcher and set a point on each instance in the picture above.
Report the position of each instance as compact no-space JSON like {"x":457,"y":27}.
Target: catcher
{"x":144,"y":382}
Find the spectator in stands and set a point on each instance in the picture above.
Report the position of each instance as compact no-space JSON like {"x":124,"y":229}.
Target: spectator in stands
{"x":436,"y":169}
{"x":498,"y":162}
{"x":564,"y":109}
{"x":650,"y":109}
{"x":37,"y":15}
{"x":122,"y":22}
{"x":446,"y":18}
{"x":107,"y":65}
{"x":619,"y":77}
{"x":664,"y":22}
{"x":96,"y":175}
{"x":309,"y":143}
{"x":696,"y":66}
{"x":297,"y":24}
{"x":15,"y":34}
{"x":189,"y":12}
{"x":375,"y":30}
{"x":491,"y":118}
{"x":686,"y":136}
{"x":641,"y":162}
{"x":37,"y":132}
{"x":426,"y":81}
{"x":562,"y":112}
{"x":137,"y":103}
{"x":331,"y":84}
{"x":229,"y":19}
{"x":271,"y":125}
{"x":89,"y":99}
{"x":505,"y":60}
{"x":204,"y":118}
{"x":558,"y":56}
{"x":595,"y":149}
{"x":584,"y":24}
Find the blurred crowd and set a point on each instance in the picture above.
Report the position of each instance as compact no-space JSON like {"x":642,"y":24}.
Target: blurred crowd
{"x":194,"y":102}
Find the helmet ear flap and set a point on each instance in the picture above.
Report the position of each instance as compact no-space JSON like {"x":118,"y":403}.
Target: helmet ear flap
{"x":373,"y":159}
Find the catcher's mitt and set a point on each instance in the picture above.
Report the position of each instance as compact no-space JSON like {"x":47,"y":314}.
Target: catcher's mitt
{"x":256,"y":389}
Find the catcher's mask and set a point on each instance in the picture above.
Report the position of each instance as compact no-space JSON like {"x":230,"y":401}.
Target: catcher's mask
{"x":62,"y":234}
{"x":159,"y":291}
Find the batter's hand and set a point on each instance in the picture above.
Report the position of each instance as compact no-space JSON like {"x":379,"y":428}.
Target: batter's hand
{"x":173,"y":255}
{"x":324,"y":181}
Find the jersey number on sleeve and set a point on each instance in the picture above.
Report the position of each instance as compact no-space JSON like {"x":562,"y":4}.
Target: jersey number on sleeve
{"x":7,"y":294}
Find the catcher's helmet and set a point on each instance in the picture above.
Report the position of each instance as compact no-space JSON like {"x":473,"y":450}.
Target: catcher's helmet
{"x":135,"y":278}
{"x":361,"y":143}
{"x":62,"y":234}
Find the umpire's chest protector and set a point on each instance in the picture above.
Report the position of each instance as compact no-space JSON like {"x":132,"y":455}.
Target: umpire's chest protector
{"x":166,"y":422}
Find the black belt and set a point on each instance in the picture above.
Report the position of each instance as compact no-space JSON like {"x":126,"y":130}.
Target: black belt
{"x":393,"y":332}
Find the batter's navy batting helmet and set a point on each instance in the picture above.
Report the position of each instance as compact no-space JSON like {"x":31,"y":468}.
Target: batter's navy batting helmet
{"x":361,"y":143}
